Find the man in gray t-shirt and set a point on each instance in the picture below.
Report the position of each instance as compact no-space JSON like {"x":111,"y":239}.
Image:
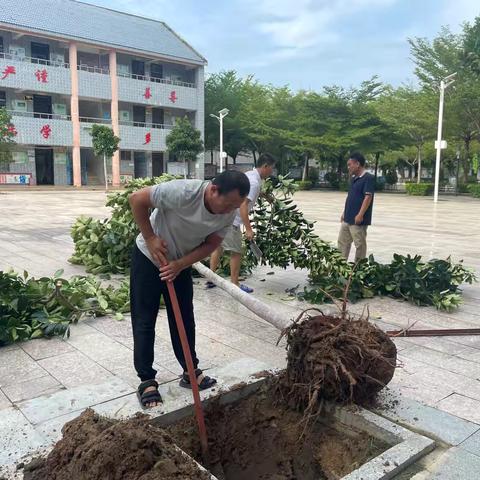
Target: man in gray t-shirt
{"x":189,"y":221}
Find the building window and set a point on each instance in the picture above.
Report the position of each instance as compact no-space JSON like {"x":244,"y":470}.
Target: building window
{"x":3,"y":99}
{"x":126,"y":155}
{"x":1,"y":45}
{"x":172,"y":157}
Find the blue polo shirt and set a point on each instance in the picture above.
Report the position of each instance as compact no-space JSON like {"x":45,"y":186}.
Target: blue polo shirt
{"x":359,"y":187}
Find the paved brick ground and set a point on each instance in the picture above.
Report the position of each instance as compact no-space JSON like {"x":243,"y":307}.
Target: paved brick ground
{"x":94,"y":365}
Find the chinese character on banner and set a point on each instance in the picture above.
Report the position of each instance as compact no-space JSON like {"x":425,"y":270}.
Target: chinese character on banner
{"x":42,"y":75}
{"x":46,"y":131}
{"x":173,"y":96}
{"x":147,"y":93}
{"x":9,"y":70}
{"x":148,"y":138}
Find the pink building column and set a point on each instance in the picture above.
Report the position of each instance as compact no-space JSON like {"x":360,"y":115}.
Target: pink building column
{"x":114,"y":113}
{"x":77,"y":169}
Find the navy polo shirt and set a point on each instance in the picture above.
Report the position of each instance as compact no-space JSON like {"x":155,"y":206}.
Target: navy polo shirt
{"x":359,"y":187}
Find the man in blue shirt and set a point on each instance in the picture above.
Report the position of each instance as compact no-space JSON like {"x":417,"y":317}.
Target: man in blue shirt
{"x":357,"y":214}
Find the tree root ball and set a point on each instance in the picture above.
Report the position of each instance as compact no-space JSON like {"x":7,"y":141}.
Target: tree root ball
{"x":335,"y":358}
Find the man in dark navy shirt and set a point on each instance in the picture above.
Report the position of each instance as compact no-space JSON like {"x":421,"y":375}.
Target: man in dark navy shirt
{"x":357,"y":214}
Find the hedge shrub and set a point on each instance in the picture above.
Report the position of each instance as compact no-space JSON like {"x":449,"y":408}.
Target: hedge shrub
{"x":305,"y":185}
{"x":474,"y":189}
{"x":419,"y":189}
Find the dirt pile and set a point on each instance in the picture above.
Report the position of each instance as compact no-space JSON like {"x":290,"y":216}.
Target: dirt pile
{"x":94,"y":448}
{"x":257,"y":438}
{"x":337,"y":359}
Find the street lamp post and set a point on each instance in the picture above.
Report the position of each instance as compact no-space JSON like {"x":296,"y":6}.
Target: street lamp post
{"x":444,"y":84}
{"x":221,"y":114}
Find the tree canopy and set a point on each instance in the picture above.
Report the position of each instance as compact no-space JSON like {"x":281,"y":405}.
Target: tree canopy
{"x":390,"y":125}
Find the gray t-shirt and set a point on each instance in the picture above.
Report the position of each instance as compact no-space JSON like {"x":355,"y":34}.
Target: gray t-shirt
{"x":181,"y":218}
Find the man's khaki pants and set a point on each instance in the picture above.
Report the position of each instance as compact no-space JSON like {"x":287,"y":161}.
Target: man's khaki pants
{"x":356,"y":234}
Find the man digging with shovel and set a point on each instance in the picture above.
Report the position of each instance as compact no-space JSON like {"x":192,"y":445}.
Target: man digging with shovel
{"x":233,"y":241}
{"x":189,"y":221}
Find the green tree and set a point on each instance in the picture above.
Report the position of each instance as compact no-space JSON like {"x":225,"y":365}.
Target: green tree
{"x":445,"y":54}
{"x":224,"y":90}
{"x":7,"y":139}
{"x":105,"y":143}
{"x":412,"y":115}
{"x":184,"y":141}
{"x":471,"y":46}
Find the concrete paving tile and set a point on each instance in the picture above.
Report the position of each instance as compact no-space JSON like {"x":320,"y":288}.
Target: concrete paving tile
{"x":45,"y":347}
{"x":7,"y":348}
{"x":17,"y":437}
{"x":426,"y":394}
{"x":401,"y":344}
{"x":74,"y":368}
{"x":438,"y":377}
{"x":128,"y":374}
{"x":256,"y":348}
{"x":457,"y":464}
{"x":112,"y":327}
{"x":80,"y":328}
{"x":472,"y":444}
{"x":101,"y":349}
{"x":123,"y":407}
{"x":435,"y":423}
{"x":51,"y":430}
{"x":461,"y":406}
{"x":45,"y":408}
{"x":443,"y":345}
{"x":174,"y":367}
{"x":4,"y":401}
{"x":448,"y":362}
{"x":16,"y":366}
{"x":471,"y":356}
{"x":32,"y":388}
{"x":472,"y":341}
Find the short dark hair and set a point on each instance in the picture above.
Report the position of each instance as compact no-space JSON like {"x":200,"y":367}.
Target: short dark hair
{"x":357,"y":156}
{"x":266,"y":159}
{"x":231,"y":180}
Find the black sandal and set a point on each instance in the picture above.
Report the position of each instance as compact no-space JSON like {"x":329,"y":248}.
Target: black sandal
{"x":148,"y":397}
{"x":206,"y":382}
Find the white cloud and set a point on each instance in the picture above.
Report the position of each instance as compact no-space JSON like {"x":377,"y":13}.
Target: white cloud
{"x":306,"y":24}
{"x":306,"y":43}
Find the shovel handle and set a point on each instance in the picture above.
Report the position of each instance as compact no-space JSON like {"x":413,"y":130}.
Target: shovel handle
{"x":202,"y":430}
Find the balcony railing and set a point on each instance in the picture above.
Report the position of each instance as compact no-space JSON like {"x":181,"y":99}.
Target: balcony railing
{"x":92,"y":69}
{"x":104,"y":121}
{"x":129,"y":123}
{"x":50,"y":116}
{"x":132,"y":123}
{"x":156,"y":80}
{"x":38,"y":61}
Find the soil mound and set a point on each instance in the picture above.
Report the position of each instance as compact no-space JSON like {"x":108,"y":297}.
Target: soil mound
{"x":94,"y":448}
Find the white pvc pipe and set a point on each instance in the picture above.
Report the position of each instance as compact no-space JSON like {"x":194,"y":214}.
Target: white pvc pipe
{"x":254,"y":305}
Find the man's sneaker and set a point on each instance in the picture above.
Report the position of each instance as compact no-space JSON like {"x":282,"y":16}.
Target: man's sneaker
{"x":245,"y":288}
{"x":210,"y":284}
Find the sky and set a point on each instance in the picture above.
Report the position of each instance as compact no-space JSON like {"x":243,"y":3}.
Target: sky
{"x":306,"y":44}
